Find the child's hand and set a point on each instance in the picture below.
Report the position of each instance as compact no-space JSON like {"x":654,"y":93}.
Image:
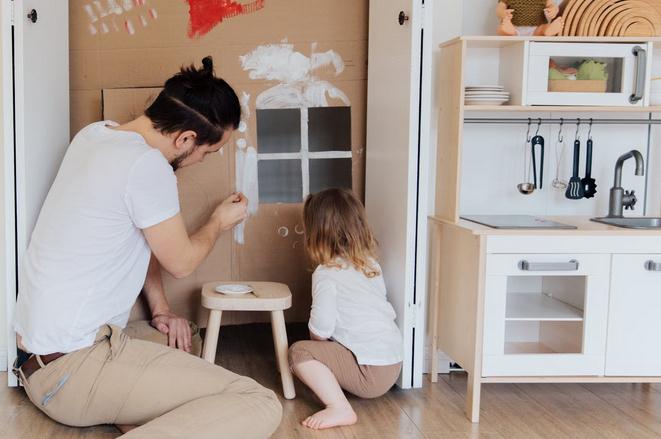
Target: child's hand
{"x":551,"y":12}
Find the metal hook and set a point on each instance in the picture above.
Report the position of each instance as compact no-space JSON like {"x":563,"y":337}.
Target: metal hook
{"x":528,"y":132}
{"x":560,"y":137}
{"x":578,"y":126}
{"x":539,"y":124}
{"x":590,"y":130}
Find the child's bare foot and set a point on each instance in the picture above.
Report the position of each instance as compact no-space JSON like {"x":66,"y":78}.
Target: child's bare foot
{"x":506,"y":28}
{"x":331,"y":417}
{"x":555,"y":27}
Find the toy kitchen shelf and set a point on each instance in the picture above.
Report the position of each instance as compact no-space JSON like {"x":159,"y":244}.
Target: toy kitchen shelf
{"x":537,"y":305}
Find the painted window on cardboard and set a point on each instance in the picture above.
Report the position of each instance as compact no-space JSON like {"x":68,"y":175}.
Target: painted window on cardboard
{"x":302,"y":151}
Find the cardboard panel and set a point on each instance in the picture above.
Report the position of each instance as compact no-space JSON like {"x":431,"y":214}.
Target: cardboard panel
{"x":127,"y":69}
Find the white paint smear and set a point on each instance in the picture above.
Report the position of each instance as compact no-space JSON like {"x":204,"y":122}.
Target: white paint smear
{"x":243,"y":126}
{"x":246,"y":182}
{"x":93,"y":30}
{"x":297,"y":87}
{"x":127,"y":5}
{"x":143,"y":20}
{"x":104,"y":28}
{"x":114,"y":8}
{"x":283,"y":231}
{"x":299,"y":229}
{"x":241,"y":143}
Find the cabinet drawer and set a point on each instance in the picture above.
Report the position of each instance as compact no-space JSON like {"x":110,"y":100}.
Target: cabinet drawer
{"x":545,"y":314}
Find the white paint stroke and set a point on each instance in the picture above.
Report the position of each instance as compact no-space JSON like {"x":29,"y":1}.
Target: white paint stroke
{"x":283,"y":231}
{"x":246,"y":182}
{"x":104,"y":28}
{"x":241,"y":143}
{"x":114,"y":25}
{"x":154,"y":13}
{"x":298,"y":87}
{"x":127,"y":5}
{"x":298,"y":229}
{"x":245,"y":105}
{"x":93,"y":30}
{"x":243,"y":126}
{"x":143,"y":20}
{"x":101,"y":10}
{"x":90,"y":13}
{"x":129,"y":27}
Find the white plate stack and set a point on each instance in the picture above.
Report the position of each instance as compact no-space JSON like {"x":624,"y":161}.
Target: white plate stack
{"x":486,"y":95}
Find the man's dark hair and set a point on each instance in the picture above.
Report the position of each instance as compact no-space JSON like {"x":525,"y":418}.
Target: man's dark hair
{"x":194,"y":99}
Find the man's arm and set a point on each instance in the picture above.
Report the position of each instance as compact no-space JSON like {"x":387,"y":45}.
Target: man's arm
{"x":163,"y":319}
{"x":180,"y":254}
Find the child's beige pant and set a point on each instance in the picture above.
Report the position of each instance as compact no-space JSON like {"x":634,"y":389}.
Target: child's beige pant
{"x":362,"y":380}
{"x":171,"y":394}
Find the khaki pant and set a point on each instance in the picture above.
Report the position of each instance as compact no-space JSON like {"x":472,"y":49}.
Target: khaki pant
{"x":169,"y":393}
{"x":362,"y":380}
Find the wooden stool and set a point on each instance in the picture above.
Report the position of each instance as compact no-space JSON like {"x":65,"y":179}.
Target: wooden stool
{"x":266,"y":296}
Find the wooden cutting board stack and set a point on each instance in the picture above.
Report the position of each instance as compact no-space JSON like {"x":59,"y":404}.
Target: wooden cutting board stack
{"x":612,"y":18}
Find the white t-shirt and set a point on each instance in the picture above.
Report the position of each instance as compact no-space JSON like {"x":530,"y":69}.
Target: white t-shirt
{"x":87,"y":259}
{"x":353,"y":310}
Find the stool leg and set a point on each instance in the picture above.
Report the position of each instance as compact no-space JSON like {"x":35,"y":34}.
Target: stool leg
{"x":211,"y":337}
{"x":281,"y":347}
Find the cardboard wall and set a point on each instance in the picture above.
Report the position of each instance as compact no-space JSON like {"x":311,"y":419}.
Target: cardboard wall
{"x":116,"y":69}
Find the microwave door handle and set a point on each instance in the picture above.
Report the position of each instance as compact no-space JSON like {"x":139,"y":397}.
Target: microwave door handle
{"x":641,"y":71}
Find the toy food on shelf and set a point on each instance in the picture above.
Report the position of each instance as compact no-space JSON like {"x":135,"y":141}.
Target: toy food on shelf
{"x":588,"y":76}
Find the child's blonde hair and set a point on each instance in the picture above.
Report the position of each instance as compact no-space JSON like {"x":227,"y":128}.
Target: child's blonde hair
{"x":336,"y":227}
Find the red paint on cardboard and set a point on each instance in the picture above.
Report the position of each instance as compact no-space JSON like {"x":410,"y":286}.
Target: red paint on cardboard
{"x":207,"y":14}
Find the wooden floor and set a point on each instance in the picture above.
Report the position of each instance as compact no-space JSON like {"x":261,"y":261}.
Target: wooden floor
{"x":526,"y":411}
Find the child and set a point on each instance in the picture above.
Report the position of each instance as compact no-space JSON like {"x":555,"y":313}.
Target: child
{"x":356,"y":345}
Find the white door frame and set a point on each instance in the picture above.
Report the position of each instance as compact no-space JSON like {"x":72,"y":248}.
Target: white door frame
{"x":8,"y":180}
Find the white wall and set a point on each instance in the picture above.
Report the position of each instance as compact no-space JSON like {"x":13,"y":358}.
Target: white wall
{"x":3,"y":240}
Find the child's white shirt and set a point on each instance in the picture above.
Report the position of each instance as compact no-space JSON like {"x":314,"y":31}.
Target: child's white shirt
{"x":353,"y":310}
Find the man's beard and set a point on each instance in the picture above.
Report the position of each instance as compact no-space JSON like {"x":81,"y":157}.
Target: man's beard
{"x":176,"y":163}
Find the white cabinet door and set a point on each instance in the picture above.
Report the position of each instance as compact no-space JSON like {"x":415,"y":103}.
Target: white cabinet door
{"x":545,"y":314}
{"x":41,"y":118}
{"x":391,"y":178}
{"x":634,"y":321}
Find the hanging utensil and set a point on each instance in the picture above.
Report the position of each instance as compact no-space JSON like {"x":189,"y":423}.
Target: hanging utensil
{"x":588,"y":183}
{"x":574,"y":189}
{"x":537,"y":141}
{"x":559,"y":150}
{"x":526,"y":188}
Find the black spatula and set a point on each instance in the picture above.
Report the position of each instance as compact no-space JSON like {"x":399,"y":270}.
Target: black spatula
{"x":574,"y":188}
{"x":588,"y":183}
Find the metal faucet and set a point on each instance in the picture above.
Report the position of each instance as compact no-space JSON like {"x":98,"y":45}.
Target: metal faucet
{"x":620,"y":198}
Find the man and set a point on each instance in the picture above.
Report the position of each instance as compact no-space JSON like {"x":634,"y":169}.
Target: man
{"x":110,"y":221}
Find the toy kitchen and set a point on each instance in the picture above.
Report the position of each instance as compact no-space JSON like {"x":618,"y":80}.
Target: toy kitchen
{"x":546,"y":238}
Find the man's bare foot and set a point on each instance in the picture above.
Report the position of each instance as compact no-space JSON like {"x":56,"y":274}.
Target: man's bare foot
{"x":506,"y":28}
{"x":555,"y":27}
{"x":125,"y":428}
{"x":331,"y":417}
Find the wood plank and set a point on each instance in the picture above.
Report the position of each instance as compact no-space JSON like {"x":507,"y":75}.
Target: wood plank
{"x":450,"y":128}
{"x":582,"y":411}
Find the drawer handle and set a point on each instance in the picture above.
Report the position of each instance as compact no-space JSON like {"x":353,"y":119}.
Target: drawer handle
{"x":572,"y":265}
{"x":652,"y":266}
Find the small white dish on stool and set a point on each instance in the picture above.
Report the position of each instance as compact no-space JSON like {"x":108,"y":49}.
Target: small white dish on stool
{"x":234,"y":289}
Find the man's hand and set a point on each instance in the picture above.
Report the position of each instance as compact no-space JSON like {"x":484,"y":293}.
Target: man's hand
{"x":232,"y":210}
{"x":177,"y":329}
